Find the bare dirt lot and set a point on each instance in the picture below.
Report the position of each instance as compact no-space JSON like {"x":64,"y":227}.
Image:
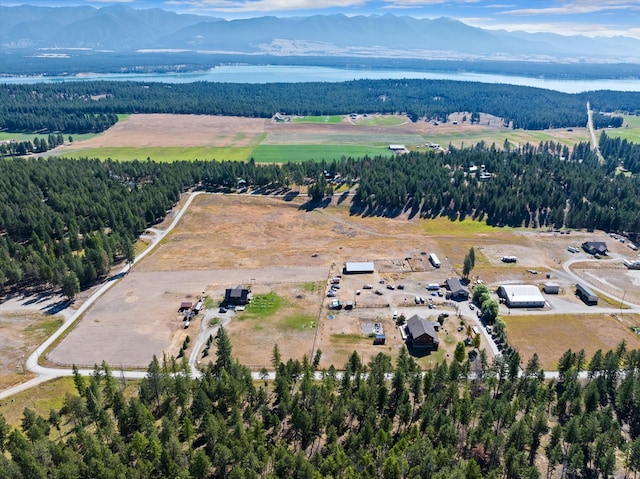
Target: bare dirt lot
{"x":277,"y":246}
{"x":161,"y":130}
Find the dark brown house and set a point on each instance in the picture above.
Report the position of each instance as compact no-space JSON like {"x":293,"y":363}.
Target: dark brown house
{"x":457,"y":290}
{"x":238,"y":296}
{"x":595,"y":247}
{"x":421,"y":333}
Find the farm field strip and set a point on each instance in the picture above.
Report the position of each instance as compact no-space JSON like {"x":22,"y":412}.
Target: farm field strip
{"x":319,"y":119}
{"x":166,"y":138}
{"x":162,"y":154}
{"x":318,"y":152}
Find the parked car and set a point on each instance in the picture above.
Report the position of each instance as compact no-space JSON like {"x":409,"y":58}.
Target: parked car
{"x":471,"y":306}
{"x":222,"y":310}
{"x":440,"y":294}
{"x":378,"y":292}
{"x":367,"y":286}
{"x":390,"y":286}
{"x":401,"y":286}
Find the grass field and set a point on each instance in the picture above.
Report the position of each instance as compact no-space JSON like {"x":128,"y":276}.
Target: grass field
{"x":319,"y":119}
{"x":163,"y":154}
{"x":514,"y":137}
{"x":382,"y":120}
{"x":50,"y":395}
{"x":630,"y":130}
{"x":297,"y":153}
{"x":466,"y":228}
{"x":4,"y":135}
{"x":551,"y":335}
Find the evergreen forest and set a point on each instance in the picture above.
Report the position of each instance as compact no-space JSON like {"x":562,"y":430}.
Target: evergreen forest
{"x":384,"y":419}
{"x":91,"y":107}
{"x":67,"y":222}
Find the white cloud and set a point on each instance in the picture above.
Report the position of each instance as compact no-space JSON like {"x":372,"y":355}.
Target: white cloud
{"x":577,"y":7}
{"x":561,"y":28}
{"x":424,"y":3}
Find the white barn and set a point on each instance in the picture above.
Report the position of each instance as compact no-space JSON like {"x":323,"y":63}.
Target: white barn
{"x":353,"y":267}
{"x":521,"y":296}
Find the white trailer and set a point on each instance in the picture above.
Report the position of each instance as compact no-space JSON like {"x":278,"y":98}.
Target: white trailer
{"x":434,"y":260}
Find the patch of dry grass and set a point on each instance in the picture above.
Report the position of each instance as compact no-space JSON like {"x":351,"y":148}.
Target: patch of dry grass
{"x":551,"y":335}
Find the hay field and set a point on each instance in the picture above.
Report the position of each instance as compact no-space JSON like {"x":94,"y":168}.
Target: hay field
{"x":164,"y":137}
{"x":551,"y":335}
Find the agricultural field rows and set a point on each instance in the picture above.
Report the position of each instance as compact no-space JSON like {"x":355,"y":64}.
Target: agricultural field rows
{"x":189,"y":137}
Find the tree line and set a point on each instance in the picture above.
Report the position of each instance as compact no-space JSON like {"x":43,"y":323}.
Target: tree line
{"x":37,"y":145}
{"x":620,"y":152}
{"x":80,"y":107}
{"x":544,"y":186}
{"x":386,"y":419}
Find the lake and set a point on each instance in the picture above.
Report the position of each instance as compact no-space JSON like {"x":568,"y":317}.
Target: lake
{"x":298,"y":74}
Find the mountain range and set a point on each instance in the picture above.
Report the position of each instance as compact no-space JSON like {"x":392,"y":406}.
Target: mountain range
{"x":121,"y":28}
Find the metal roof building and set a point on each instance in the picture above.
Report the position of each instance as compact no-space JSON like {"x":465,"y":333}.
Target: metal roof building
{"x":588,"y":296}
{"x":361,"y":267}
{"x":521,"y":296}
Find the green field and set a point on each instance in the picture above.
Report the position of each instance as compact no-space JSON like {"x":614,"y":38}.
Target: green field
{"x":296,"y":153}
{"x":463,"y":228}
{"x":30,"y":136}
{"x":163,"y":155}
{"x":382,"y":120}
{"x":630,"y":130}
{"x":319,"y":119}
{"x":515,"y":137}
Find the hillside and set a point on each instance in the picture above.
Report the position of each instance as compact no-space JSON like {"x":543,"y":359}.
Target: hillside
{"x":124,"y":29}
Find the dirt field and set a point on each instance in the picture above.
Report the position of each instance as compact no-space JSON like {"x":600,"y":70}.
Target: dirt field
{"x":273,"y":245}
{"x":25,"y":322}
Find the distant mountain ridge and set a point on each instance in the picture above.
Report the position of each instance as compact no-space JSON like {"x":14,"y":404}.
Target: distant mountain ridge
{"x":124,"y":29}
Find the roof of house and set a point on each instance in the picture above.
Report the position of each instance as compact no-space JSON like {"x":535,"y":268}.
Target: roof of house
{"x":455,"y":286}
{"x":185,"y":304}
{"x":599,"y":246}
{"x":237,"y":293}
{"x":417,"y":326}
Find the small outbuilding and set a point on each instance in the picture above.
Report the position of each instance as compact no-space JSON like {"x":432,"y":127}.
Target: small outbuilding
{"x":364,"y":267}
{"x":586,"y":295}
{"x":595,"y":247}
{"x":421,"y":333}
{"x":379,"y":339}
{"x":456,"y":289}
{"x":237,"y":296}
{"x":551,"y":288}
{"x":397,"y":148}
{"x":184,"y":306}
{"x":521,"y":296}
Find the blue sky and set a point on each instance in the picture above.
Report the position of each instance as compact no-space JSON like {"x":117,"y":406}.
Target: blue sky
{"x":585,"y":17}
